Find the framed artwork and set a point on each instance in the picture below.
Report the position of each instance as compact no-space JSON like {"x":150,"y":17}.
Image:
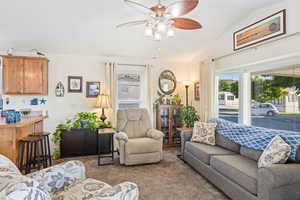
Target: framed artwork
{"x":197,"y":91}
{"x":92,"y":89}
{"x":75,"y":84}
{"x":268,"y":28}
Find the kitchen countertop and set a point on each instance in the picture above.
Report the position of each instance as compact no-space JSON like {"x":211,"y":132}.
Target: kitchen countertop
{"x":24,"y":121}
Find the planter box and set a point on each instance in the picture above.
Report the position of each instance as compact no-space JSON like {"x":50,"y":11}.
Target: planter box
{"x":82,"y":142}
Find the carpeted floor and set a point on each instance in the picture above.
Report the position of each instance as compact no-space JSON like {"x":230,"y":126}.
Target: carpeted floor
{"x":171,"y":179}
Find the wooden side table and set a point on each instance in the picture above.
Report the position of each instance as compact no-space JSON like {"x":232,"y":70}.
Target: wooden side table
{"x":110,"y":133}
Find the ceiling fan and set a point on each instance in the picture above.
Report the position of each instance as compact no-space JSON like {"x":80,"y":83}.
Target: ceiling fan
{"x":163,"y":19}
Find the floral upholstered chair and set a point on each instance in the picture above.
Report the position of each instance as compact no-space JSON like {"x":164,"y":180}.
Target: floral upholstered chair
{"x":65,"y":181}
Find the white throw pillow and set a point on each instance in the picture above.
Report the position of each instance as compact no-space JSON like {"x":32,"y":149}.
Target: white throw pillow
{"x":277,"y":152}
{"x":204,"y":133}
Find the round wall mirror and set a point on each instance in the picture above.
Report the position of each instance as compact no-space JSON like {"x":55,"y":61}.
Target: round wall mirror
{"x":167,"y":82}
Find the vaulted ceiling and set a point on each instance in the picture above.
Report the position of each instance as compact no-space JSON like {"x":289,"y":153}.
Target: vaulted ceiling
{"x":88,"y":27}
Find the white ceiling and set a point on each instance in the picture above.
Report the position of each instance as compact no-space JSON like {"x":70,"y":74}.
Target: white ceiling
{"x":87,"y":27}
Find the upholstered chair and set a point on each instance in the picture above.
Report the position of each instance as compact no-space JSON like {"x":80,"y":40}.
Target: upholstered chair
{"x":65,"y":181}
{"x":138,"y":142}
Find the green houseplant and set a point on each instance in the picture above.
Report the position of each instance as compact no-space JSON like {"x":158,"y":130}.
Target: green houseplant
{"x":189,"y":115}
{"x":80,"y":120}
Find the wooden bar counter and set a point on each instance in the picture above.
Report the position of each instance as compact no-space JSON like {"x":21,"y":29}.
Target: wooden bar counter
{"x":10,"y":135}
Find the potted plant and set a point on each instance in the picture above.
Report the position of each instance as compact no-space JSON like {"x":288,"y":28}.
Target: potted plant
{"x":189,"y":116}
{"x":78,"y":136}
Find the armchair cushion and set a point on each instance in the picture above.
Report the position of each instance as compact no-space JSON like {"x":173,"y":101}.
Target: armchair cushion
{"x":121,"y":136}
{"x":7,"y":165}
{"x":96,"y":190}
{"x":122,"y":191}
{"x":59,"y":177}
{"x":155,"y":134}
{"x":142,"y":145}
{"x":15,"y":186}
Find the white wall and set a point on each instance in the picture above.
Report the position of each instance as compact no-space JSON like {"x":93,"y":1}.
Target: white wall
{"x":91,"y":68}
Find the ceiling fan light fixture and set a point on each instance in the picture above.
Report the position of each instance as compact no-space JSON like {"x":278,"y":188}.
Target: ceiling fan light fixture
{"x":161,"y":27}
{"x":157,"y":36}
{"x":149,"y":31}
{"x":170,"y":32}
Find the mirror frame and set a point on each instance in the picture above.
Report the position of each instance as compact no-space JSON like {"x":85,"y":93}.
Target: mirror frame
{"x":160,"y":86}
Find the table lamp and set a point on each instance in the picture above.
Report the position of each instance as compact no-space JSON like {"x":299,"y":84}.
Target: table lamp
{"x":103,"y":102}
{"x":187,"y":84}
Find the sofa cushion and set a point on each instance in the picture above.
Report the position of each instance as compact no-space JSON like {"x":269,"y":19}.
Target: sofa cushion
{"x":241,"y":170}
{"x":251,"y":153}
{"x":204,"y":152}
{"x":204,"y":133}
{"x":224,"y":142}
{"x":277,"y":152}
{"x":87,"y":189}
{"x":142,"y":145}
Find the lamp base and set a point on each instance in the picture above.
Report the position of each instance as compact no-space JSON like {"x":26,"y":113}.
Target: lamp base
{"x":103,"y":117}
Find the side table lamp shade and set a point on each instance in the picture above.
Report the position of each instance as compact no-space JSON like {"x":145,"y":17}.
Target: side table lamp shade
{"x":104,"y":103}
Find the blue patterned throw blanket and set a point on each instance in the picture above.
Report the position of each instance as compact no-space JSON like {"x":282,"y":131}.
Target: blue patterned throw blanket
{"x":256,"y":137}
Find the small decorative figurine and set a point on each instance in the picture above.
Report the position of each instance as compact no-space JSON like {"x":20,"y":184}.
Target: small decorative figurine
{"x":60,"y":90}
{"x":43,"y":101}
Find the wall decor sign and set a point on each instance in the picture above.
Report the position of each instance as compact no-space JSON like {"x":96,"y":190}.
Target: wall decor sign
{"x":265,"y":29}
{"x":75,"y":84}
{"x":59,"y":90}
{"x":92,"y":89}
{"x":197,"y":91}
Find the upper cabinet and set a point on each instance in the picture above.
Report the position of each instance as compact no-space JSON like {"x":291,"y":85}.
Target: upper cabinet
{"x":25,"y":75}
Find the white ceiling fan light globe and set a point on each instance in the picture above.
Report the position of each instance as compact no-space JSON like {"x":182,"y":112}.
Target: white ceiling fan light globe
{"x":148,"y":31}
{"x":157,"y":36}
{"x":170,"y":32}
{"x":161,"y":27}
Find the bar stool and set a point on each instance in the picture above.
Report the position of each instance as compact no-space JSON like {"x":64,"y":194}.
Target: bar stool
{"x":47,"y":160}
{"x":32,"y":152}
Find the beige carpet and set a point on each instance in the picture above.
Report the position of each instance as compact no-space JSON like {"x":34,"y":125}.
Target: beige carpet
{"x":171,"y":179}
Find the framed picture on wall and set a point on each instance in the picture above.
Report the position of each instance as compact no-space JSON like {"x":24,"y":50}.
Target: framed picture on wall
{"x":197,"y":91}
{"x":75,"y":84}
{"x":92,"y":89}
{"x":263,"y":30}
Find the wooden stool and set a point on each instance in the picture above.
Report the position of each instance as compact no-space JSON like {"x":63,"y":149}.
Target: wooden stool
{"x":32,"y":152}
{"x":46,"y":142}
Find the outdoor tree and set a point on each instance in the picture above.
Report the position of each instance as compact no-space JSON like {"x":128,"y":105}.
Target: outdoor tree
{"x":265,"y":89}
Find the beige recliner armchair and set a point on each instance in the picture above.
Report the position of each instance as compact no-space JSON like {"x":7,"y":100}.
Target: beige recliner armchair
{"x":138,"y":142}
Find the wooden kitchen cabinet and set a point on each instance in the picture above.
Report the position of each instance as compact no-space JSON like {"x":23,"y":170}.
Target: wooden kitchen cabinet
{"x":13,"y":75}
{"x":25,"y":75}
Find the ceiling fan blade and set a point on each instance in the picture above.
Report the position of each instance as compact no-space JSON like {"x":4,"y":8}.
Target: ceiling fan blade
{"x":133,"y":23}
{"x":182,"y":7}
{"x":186,"y":24}
{"x":139,"y":7}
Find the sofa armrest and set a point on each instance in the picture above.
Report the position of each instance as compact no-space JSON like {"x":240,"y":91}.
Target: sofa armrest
{"x":279,"y":182}
{"x":155,"y":134}
{"x":121,"y":136}
{"x":186,"y":136}
{"x":122,"y":191}
{"x":59,"y":177}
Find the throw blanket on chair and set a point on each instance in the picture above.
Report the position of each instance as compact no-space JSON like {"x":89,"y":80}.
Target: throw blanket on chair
{"x":256,"y":137}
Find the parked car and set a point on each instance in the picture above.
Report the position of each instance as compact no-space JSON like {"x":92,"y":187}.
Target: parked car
{"x":264,"y":109}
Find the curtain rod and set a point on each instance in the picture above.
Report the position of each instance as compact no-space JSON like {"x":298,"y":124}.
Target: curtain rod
{"x":267,"y":42}
{"x":135,"y":65}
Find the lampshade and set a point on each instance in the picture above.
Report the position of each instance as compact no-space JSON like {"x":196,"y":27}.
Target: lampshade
{"x":102,"y":101}
{"x":187,"y":83}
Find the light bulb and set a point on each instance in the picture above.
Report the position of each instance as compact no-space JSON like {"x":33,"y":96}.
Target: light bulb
{"x":170,"y":32}
{"x":148,"y":32}
{"x":157,"y":36}
{"x":161,"y":26}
